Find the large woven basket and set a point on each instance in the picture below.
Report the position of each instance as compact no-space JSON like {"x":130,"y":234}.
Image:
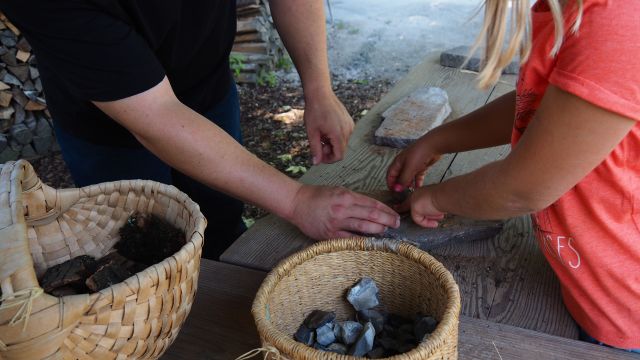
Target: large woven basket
{"x":410,"y":282}
{"x":40,"y":227}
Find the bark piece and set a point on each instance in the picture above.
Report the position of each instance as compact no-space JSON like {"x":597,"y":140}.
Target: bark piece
{"x":5,"y":98}
{"x":10,"y":58}
{"x":107,"y":274}
{"x":34,"y":106}
{"x":23,"y":45}
{"x":69,"y":273}
{"x":20,"y":71}
{"x":5,"y":113}
{"x":457,"y":56}
{"x":23,"y":56}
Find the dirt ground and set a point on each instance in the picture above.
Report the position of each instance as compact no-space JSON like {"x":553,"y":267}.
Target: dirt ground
{"x":283,"y":146}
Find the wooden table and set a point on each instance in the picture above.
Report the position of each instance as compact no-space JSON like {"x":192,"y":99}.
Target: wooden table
{"x":504,"y":279}
{"x":220,"y":326}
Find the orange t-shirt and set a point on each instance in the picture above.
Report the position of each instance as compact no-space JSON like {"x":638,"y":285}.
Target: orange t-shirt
{"x":591,"y":235}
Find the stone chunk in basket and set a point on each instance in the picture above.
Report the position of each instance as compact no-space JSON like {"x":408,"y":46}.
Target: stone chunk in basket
{"x":145,"y":239}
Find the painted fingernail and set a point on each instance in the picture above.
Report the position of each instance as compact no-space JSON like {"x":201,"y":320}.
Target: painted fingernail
{"x":398,"y":187}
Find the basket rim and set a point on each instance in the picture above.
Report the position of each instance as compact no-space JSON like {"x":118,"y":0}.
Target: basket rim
{"x":269,"y":333}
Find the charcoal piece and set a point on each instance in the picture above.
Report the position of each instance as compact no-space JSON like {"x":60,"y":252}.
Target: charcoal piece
{"x":107,"y":275}
{"x":375,"y":316}
{"x":376,"y":353}
{"x":305,"y":335}
{"x":66,"y":291}
{"x":406,"y":348}
{"x":148,"y":239}
{"x":364,"y":294}
{"x":389,"y":343}
{"x":364,"y":344}
{"x":318,"y":318}
{"x":396,"y":320}
{"x":425,"y":325}
{"x":347,"y":332}
{"x":337,"y":348}
{"x":70,"y":273}
{"x":325,"y":335}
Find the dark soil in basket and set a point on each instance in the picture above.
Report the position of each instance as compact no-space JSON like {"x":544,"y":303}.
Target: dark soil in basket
{"x":148,"y":239}
{"x":284,"y":146}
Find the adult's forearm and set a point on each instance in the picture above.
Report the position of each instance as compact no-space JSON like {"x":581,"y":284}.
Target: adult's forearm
{"x":490,"y":125}
{"x":301,"y":25}
{"x":201,"y":150}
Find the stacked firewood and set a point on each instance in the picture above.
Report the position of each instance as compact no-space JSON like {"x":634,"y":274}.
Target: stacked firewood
{"x":257,"y":48}
{"x":25,"y":123}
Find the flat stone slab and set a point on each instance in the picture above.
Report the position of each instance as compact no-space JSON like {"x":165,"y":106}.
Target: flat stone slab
{"x":456,"y":57}
{"x":412,"y":117}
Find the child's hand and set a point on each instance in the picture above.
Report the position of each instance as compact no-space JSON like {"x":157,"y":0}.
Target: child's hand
{"x":423,"y":210}
{"x":409,"y":167}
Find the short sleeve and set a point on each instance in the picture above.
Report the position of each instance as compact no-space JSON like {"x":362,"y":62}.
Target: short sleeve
{"x":98,"y":56}
{"x":601,"y":62}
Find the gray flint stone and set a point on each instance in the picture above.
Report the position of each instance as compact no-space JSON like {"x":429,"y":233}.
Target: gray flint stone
{"x":325,"y":335}
{"x":318,"y":318}
{"x":337,"y":348}
{"x":412,"y":117}
{"x":374,"y":316}
{"x":364,"y":294}
{"x":347,"y":332}
{"x":305,"y":335}
{"x":364,"y":344}
{"x":34,"y":72}
{"x":457,"y":56}
{"x":8,"y":41}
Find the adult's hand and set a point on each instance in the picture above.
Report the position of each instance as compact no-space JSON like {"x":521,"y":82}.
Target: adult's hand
{"x":323,"y":212}
{"x":329,"y":126}
{"x":408,"y":169}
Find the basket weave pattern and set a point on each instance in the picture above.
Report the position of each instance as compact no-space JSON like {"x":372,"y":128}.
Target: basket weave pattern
{"x":41,"y":227}
{"x":410,"y":282}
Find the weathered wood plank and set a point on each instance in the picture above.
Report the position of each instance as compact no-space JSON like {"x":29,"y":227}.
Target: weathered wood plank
{"x":220,"y":327}
{"x":364,"y":167}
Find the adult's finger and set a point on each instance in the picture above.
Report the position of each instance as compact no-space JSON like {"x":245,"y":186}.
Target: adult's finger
{"x":315,"y":145}
{"x":366,"y":201}
{"x":345,"y":234}
{"x":362,"y":226}
{"x":373,"y":214}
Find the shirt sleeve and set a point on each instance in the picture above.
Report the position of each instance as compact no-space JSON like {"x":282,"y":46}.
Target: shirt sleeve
{"x":98,"y":56}
{"x":601,"y":62}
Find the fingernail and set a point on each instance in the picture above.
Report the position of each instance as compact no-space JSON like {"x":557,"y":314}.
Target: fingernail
{"x":314,"y":160}
{"x":398,"y":187}
{"x":397,"y":222}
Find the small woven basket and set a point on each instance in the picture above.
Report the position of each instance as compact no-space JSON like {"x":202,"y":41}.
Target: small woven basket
{"x":41,"y":227}
{"x":410,"y":282}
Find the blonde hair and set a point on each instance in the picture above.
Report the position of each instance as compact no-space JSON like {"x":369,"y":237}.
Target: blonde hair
{"x":497,"y":29}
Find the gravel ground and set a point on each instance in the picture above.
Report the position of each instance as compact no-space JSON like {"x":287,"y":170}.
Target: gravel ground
{"x":284,"y":146}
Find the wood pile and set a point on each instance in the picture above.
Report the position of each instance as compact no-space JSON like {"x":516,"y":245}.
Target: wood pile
{"x":25,"y":123}
{"x":257,"y":48}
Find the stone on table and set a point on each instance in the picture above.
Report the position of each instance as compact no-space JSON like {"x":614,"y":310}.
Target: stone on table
{"x":305,"y":335}
{"x":325,"y":335}
{"x":364,"y":344}
{"x":412,"y":117}
{"x":337,"y":348}
{"x":318,"y":318}
{"x":425,"y":325}
{"x":347,"y":332}
{"x":364,"y":294}
{"x":457,"y":56}
{"x":375,"y":316}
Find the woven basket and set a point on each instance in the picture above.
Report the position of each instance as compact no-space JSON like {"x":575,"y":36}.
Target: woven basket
{"x":410,"y":281}
{"x":40,"y":227}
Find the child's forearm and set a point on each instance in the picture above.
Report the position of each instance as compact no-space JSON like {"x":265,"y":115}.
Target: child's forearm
{"x":488,"y":126}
